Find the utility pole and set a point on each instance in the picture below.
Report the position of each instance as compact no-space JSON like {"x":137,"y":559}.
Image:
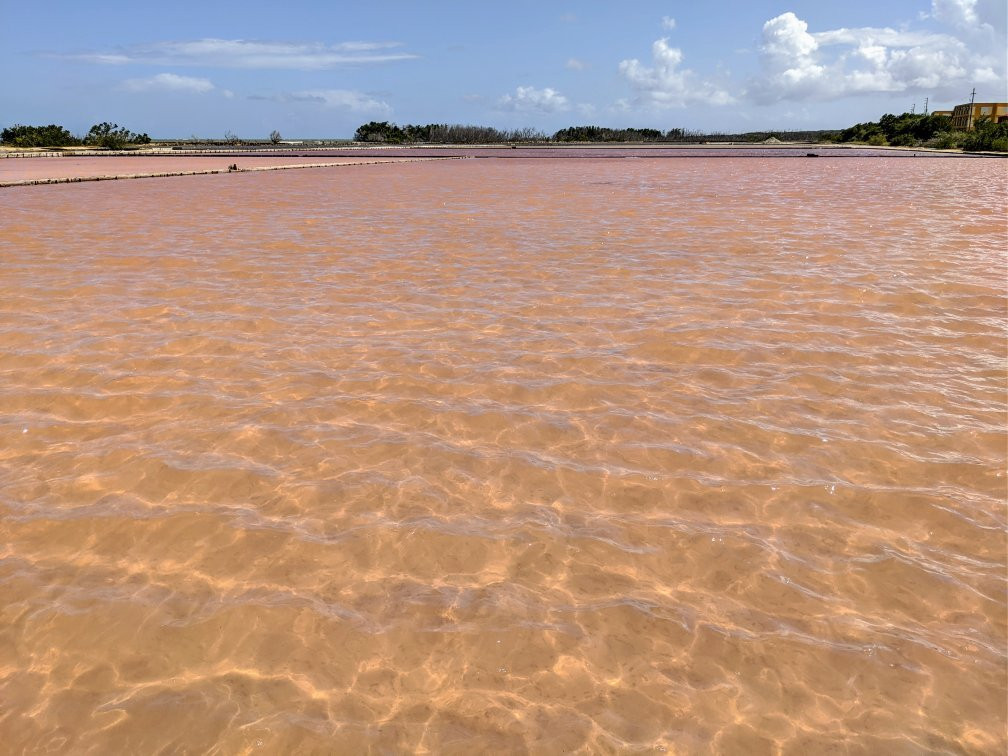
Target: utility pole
{"x":969,"y":121}
{"x":925,"y":105}
{"x":913,"y":108}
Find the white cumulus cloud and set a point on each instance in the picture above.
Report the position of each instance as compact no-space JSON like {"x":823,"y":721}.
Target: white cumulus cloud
{"x":532,"y":100}
{"x":666,"y":84}
{"x":668,"y":23}
{"x":574,"y":64}
{"x":961,"y":13}
{"x":169,"y":82}
{"x":972,"y":16}
{"x":799,"y":64}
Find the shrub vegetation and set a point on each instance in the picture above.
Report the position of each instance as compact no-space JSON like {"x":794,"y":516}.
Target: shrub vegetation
{"x":910,"y":130}
{"x":112,"y":136}
{"x":907,"y":130}
{"x":38,"y":136}
{"x":986,"y":136}
{"x":108,"y":135}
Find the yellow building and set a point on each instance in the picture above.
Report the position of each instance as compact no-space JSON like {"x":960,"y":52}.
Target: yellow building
{"x":964,"y":118}
{"x":946,"y":113}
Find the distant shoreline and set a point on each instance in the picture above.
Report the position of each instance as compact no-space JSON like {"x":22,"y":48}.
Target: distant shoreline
{"x":596,"y":149}
{"x":39,"y":167}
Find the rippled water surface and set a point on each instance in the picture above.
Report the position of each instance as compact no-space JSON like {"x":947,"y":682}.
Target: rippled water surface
{"x":507,"y":455}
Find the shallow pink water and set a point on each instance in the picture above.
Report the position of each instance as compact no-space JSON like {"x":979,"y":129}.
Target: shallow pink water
{"x":507,"y":456}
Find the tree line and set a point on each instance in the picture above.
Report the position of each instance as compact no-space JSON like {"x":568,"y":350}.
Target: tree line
{"x":920,"y":130}
{"x":110,"y":136}
{"x":435,"y":133}
{"x":906,"y":130}
{"x":443,"y":133}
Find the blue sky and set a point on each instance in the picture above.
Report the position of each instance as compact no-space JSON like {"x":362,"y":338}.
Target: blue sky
{"x":314,"y":69}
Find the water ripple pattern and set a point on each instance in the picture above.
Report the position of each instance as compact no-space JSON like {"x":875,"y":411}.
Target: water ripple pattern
{"x":507,"y":456}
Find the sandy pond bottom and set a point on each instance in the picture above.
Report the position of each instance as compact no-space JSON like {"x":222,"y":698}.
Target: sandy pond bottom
{"x":517,"y":455}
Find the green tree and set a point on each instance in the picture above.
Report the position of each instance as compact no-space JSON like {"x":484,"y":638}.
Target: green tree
{"x":987,"y":137}
{"x":38,"y":136}
{"x":379,"y":131}
{"x":112,"y":136}
{"x":907,"y":130}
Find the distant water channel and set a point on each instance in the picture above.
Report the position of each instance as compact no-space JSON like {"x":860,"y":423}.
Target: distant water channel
{"x":507,"y":455}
